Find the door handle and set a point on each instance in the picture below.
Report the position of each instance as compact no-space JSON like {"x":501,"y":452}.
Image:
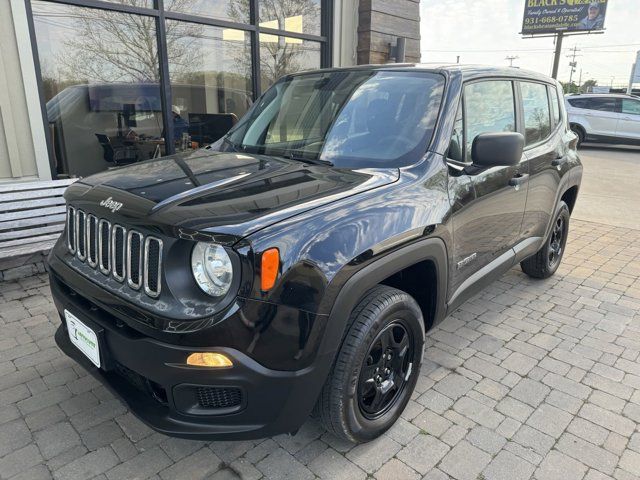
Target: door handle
{"x":559,"y":161}
{"x":519,"y":179}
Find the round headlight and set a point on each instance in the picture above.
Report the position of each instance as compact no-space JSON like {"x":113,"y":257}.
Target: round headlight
{"x":212,"y":268}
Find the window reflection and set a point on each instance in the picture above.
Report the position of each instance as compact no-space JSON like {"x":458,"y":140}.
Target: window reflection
{"x":100,"y":77}
{"x":489,"y":107}
{"x":281,"y":55}
{"x":232,"y":10}
{"x":300,"y":16}
{"x":535,"y":105}
{"x":211,"y":89}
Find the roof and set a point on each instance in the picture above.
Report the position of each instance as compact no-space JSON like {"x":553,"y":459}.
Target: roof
{"x":608,"y":95}
{"x":467,"y":71}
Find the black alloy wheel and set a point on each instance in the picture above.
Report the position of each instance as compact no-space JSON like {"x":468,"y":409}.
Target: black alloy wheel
{"x":376,"y":368}
{"x":546,"y":261}
{"x":556,"y":242}
{"x":385,"y":371}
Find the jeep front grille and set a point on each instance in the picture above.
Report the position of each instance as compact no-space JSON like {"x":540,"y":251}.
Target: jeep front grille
{"x":115,"y":251}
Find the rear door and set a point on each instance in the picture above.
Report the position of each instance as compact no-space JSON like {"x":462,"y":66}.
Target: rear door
{"x":488,"y":205}
{"x":545,"y":152}
{"x":629,"y":122}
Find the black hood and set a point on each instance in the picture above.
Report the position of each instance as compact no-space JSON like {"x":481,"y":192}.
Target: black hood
{"x":225,"y":193}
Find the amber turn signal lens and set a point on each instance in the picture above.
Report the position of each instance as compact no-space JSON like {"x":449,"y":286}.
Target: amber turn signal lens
{"x":209,"y":359}
{"x":270,"y":267}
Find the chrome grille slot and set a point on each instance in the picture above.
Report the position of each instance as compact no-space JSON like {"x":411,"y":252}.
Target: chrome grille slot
{"x":134,"y":259}
{"x":152,"y":264}
{"x":118,"y":239}
{"x":81,"y":235}
{"x":104,"y":250}
{"x":92,"y":240}
{"x":114,"y":250}
{"x":71,"y":229}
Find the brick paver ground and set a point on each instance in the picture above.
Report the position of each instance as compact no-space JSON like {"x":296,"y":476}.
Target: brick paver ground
{"x":529,"y":379}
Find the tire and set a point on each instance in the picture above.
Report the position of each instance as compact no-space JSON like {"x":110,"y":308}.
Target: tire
{"x":353,"y":406}
{"x":579,"y":131}
{"x":546,"y":261}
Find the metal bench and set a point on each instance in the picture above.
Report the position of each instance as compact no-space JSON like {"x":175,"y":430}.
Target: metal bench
{"x":32,"y":216}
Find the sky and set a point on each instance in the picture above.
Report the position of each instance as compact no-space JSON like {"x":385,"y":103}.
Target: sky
{"x":486,"y":32}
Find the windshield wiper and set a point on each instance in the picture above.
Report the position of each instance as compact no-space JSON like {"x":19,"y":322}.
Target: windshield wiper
{"x":315,"y":161}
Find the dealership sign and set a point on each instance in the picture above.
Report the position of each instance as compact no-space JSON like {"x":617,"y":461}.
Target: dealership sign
{"x":553,"y":16}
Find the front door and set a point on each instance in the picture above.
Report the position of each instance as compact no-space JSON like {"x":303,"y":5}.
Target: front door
{"x":629,"y":122}
{"x":489,"y":204}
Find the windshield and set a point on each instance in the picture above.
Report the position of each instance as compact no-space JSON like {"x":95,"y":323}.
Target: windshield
{"x":351,"y":119}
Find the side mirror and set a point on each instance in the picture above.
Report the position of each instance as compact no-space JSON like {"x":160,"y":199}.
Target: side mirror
{"x":499,"y":149}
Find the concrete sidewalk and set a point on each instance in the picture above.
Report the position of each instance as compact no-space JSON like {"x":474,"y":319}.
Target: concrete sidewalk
{"x":529,"y":379}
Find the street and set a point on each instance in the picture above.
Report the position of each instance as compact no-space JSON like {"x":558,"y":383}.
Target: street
{"x":609,"y":193}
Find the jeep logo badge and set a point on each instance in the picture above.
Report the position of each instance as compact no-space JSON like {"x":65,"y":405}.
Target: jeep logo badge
{"x":111,"y":204}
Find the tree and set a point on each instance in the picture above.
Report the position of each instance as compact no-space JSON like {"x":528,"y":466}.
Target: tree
{"x":108,"y":46}
{"x":281,"y":55}
{"x":569,"y":87}
{"x":588,"y":85}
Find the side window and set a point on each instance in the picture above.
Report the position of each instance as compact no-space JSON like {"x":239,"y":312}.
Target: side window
{"x":631,"y":106}
{"x":555,"y":107}
{"x":489,"y":107}
{"x":604,"y":104}
{"x":535,"y":105}
{"x":456,"y":146}
{"x":579,"y":103}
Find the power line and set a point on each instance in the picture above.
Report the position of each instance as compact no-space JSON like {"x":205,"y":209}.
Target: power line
{"x":526,"y":49}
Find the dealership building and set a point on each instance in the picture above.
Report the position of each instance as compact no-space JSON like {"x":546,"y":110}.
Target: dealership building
{"x":86,"y":85}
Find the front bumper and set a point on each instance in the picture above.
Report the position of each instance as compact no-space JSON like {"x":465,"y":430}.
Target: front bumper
{"x":153,"y":380}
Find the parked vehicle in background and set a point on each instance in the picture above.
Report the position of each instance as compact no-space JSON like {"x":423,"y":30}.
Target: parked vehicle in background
{"x":605,"y":118}
{"x":299,"y":260}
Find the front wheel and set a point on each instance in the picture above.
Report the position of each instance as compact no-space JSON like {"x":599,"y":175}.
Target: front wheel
{"x":377,"y":367}
{"x":546,"y":261}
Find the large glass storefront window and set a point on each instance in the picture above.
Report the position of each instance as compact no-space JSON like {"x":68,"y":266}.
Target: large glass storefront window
{"x":300,"y":16}
{"x":100,"y":75}
{"x":212,"y":88}
{"x":111,"y":100}
{"x":281,"y":55}
{"x":231,"y":10}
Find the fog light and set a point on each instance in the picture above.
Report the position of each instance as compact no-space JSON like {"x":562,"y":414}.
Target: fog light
{"x":209,"y":359}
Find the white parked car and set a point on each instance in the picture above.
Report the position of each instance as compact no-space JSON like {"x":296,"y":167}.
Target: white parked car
{"x":605,"y":118}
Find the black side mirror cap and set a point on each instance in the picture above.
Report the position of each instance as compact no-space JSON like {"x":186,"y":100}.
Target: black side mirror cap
{"x":498,"y":149}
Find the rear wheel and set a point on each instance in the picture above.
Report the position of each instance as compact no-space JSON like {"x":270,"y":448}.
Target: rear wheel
{"x":547,"y":260}
{"x":377,"y":367}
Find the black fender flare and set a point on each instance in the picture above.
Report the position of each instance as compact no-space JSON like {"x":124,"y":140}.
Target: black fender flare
{"x":351,"y":293}
{"x":429,"y":249}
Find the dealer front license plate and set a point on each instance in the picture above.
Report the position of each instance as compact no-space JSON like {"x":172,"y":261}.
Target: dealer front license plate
{"x":83,"y":337}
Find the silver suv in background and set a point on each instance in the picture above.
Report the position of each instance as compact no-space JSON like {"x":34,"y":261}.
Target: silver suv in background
{"x":605,"y":118}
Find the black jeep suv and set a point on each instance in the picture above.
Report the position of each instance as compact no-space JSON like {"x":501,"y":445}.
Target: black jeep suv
{"x":299,"y":260}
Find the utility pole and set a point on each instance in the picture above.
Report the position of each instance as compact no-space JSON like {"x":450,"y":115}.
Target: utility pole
{"x":580,"y":79}
{"x":511,"y":58}
{"x":633,"y":73}
{"x":556,"y":55}
{"x":573,"y":64}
